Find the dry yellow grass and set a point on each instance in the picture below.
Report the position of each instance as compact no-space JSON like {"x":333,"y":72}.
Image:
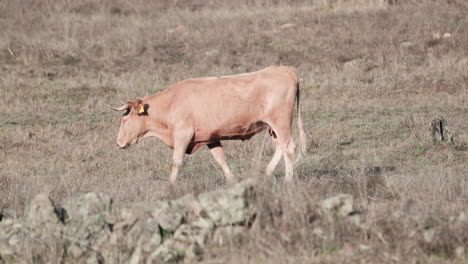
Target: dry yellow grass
{"x":374,"y":76}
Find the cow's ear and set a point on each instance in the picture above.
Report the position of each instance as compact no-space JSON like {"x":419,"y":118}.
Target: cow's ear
{"x":139,"y":107}
{"x":145,"y":109}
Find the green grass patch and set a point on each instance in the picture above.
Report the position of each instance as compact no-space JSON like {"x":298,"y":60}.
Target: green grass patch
{"x":30,"y":120}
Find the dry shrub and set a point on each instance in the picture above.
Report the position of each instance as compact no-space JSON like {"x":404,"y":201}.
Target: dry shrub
{"x":292,"y":227}
{"x":367,"y":182}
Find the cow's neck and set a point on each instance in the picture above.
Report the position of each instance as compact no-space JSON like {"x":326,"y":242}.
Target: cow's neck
{"x":156,"y":124}
{"x":156,"y":129}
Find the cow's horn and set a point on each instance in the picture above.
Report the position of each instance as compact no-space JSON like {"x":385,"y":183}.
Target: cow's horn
{"x":122,"y":108}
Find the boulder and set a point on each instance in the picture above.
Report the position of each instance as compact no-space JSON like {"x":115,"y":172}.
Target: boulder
{"x":169,"y":215}
{"x":41,"y":211}
{"x":89,"y":230}
{"x":81,"y":207}
{"x":88,"y":226}
{"x":224,"y":234}
{"x":341,"y":204}
{"x":7,"y":214}
{"x":287,"y":26}
{"x":190,"y":204}
{"x":13,"y":241}
{"x":166,"y":253}
{"x":188,"y":242}
{"x":27,"y":239}
{"x":145,"y":234}
{"x":136,"y":232}
{"x":194,"y":212}
{"x":229,"y":207}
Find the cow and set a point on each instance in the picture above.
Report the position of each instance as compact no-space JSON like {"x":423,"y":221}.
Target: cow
{"x":205,"y":111}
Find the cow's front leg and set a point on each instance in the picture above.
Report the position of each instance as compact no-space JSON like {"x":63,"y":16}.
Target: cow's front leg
{"x":181,"y":141}
{"x":218,"y":153}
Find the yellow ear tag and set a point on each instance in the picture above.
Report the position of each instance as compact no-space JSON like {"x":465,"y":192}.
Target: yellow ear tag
{"x":142,"y":109}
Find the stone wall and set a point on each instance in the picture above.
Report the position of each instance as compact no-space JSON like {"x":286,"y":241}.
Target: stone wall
{"x":89,"y":228}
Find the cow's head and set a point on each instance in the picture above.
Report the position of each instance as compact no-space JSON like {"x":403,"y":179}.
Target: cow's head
{"x":132,"y":123}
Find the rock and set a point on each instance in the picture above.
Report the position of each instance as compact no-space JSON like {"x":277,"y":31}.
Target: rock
{"x":39,"y":232}
{"x":188,"y":242}
{"x":212,"y":52}
{"x":224,"y":234}
{"x":194,"y":212}
{"x":204,"y":223}
{"x":193,"y":239}
{"x":88,"y":225}
{"x":21,"y":241}
{"x":440,"y":130}
{"x":70,"y":60}
{"x":7,"y":255}
{"x":318,"y":232}
{"x":146,"y":234}
{"x":95,"y":258}
{"x":169,"y":215}
{"x":355,"y":65}
{"x":341,"y":204}
{"x":89,"y":230}
{"x":128,"y":214}
{"x":348,"y":250}
{"x":460,"y":252}
{"x":229,"y":207}
{"x":428,"y":235}
{"x":363,"y":247}
{"x":133,"y":227}
{"x":7,"y":214}
{"x":408,"y":44}
{"x":354,"y":217}
{"x":136,"y":256}
{"x":13,"y":241}
{"x":462,"y":218}
{"x":41,"y":211}
{"x":166,"y":253}
{"x":188,"y":233}
{"x":80,"y":207}
{"x":287,"y":26}
{"x":136,"y":227}
{"x":191,"y":206}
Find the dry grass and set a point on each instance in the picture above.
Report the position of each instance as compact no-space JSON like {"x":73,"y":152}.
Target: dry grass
{"x":374,"y":76}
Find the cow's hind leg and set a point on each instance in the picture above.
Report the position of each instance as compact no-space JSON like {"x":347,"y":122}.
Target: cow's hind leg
{"x":181,"y":141}
{"x":276,"y":158}
{"x":288,"y":156}
{"x":284,"y":146}
{"x":218,"y":153}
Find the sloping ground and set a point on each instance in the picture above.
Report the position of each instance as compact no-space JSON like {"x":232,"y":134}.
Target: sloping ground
{"x":90,"y":228}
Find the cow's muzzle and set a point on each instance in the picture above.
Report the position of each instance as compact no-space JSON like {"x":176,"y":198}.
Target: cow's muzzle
{"x":122,"y":146}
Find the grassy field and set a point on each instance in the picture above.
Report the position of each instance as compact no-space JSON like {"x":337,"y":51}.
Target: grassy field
{"x":374,"y":74}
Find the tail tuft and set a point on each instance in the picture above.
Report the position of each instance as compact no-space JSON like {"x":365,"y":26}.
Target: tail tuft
{"x":300,"y":126}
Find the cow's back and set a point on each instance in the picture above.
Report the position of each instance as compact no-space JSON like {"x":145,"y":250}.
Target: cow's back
{"x":231,"y":104}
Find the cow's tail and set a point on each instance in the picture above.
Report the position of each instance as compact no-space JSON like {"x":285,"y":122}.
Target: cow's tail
{"x":300,"y":126}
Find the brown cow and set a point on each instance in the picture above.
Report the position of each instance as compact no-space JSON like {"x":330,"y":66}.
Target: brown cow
{"x":204,"y":111}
